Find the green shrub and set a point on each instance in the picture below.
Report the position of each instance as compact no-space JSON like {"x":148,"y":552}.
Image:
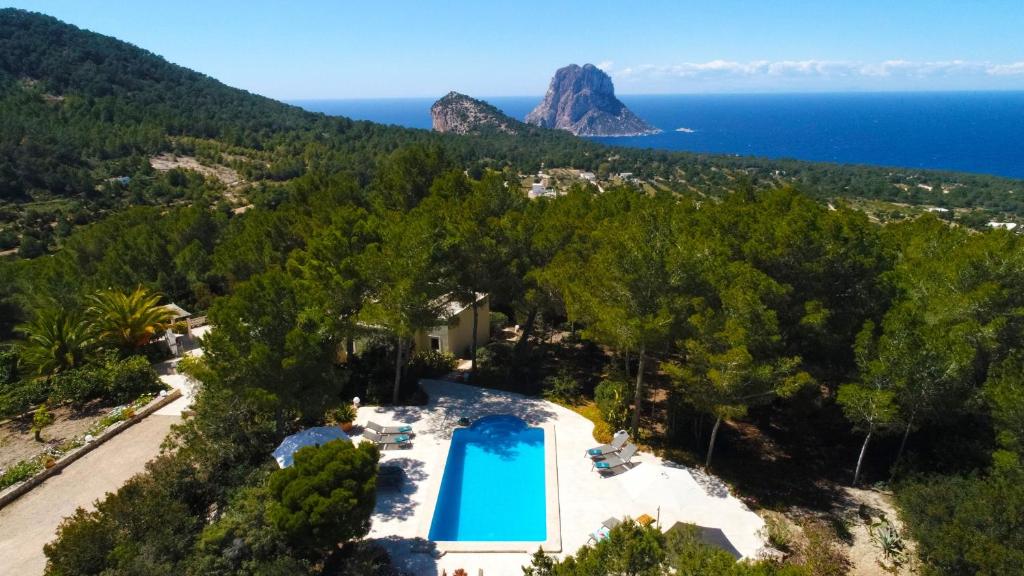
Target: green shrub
{"x":612,"y":399}
{"x":8,"y":368}
{"x":130,"y":378}
{"x":562,"y":388}
{"x":40,"y":420}
{"x":498,"y":322}
{"x":147,"y":527}
{"x":22,"y":396}
{"x":79,"y":385}
{"x":966,"y":525}
{"x":326,"y":497}
{"x":430,"y":364}
{"x":21,"y":471}
{"x":116,"y":379}
{"x":344,"y":413}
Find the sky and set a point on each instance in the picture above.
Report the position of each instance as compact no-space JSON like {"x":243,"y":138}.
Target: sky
{"x":322,"y":49}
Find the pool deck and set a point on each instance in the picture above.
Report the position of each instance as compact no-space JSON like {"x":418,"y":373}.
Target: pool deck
{"x":402,"y":517}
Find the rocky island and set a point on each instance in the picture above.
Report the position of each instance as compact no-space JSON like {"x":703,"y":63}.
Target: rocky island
{"x":460,"y":114}
{"x":581,"y":100}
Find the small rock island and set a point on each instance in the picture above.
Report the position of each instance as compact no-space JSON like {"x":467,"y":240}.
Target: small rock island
{"x":461,"y":114}
{"x":581,"y":100}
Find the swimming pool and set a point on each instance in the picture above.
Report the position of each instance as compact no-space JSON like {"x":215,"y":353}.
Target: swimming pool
{"x":494,"y":484}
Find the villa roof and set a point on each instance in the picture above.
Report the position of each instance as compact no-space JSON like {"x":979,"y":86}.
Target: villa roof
{"x":452,"y":307}
{"x":178,"y":311}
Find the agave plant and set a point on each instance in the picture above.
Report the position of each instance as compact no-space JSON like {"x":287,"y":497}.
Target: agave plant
{"x":890,"y":542}
{"x":128,"y":321}
{"x":56,"y":340}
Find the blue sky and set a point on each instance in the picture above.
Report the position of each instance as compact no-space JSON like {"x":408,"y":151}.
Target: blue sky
{"x":340,"y":49}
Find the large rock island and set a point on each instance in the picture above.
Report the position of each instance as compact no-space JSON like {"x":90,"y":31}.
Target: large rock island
{"x":582,"y":100}
{"x":460,"y":114}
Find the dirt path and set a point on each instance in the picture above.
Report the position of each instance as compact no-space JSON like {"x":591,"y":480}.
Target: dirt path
{"x":32,"y":520}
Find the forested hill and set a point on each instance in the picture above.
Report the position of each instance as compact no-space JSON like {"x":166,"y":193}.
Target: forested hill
{"x":83,"y":115}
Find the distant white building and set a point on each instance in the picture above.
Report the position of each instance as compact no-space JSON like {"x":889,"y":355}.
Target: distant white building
{"x":539,"y":190}
{"x":1003,"y":225}
{"x":588,"y":176}
{"x":940,"y":210}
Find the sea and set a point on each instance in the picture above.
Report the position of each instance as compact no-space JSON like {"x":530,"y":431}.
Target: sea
{"x":981,"y":132}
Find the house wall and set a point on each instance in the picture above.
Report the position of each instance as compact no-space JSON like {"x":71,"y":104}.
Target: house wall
{"x":457,"y":336}
{"x":460,"y":335}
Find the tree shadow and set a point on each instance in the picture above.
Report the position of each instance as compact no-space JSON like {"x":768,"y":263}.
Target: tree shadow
{"x":398,"y":504}
{"x":412,"y":556}
{"x":450,"y":402}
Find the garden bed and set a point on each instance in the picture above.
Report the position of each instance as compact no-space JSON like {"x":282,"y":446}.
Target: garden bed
{"x":17,"y":442}
{"x":22,"y":475}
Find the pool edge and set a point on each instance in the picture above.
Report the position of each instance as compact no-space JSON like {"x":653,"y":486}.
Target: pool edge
{"x":551,"y":503}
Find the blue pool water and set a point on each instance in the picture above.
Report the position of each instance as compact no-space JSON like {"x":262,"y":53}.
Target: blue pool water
{"x":493,"y":484}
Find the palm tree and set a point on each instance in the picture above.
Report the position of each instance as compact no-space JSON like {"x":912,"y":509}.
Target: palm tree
{"x":128,"y":321}
{"x":56,"y":340}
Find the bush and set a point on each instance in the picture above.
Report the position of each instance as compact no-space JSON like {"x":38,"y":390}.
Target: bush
{"x":326,"y":497}
{"x":18,"y":472}
{"x":430,"y":364}
{"x":821,"y":552}
{"x":40,"y":420}
{"x":966,"y":525}
{"x":498,"y":322}
{"x":562,"y":388}
{"x":8,"y":368}
{"x":118,"y":380}
{"x":344,"y":413}
{"x":130,"y":378}
{"x":241,"y":541}
{"x":612,"y":399}
{"x":147,"y":527}
{"x":22,"y":396}
{"x":79,"y":385}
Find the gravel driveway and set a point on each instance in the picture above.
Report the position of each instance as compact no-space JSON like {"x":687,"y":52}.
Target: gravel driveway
{"x":32,"y":520}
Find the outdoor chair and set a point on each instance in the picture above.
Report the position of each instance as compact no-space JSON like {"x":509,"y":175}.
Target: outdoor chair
{"x":613,"y":462}
{"x":602,"y":532}
{"x":387,"y":441}
{"x":614,"y":446}
{"x":388,"y":429}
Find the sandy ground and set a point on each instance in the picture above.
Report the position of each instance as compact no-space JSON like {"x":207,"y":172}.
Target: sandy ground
{"x":32,"y":520}
{"x":18,"y":443}
{"x":163,"y":162}
{"x":863,"y":553}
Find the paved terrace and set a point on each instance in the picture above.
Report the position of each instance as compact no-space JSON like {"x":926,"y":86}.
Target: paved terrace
{"x":401,"y":522}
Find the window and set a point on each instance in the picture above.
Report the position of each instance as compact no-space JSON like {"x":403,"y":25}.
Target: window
{"x":435,"y":343}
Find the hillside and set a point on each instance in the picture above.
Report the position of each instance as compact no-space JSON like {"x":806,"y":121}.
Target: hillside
{"x":87,"y":123}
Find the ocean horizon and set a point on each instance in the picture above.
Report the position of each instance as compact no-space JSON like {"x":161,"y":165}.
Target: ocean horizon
{"x":977,"y":132}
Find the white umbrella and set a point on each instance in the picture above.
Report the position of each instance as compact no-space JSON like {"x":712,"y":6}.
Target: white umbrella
{"x":652,"y":487}
{"x":316,"y":436}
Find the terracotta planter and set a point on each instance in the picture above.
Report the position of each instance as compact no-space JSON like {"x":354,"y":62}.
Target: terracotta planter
{"x":345,"y":426}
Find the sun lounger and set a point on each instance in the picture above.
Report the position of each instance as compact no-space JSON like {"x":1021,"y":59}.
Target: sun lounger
{"x":388,"y":429}
{"x":614,"y":446}
{"x":602,"y":532}
{"x":612,"y":462}
{"x":387,"y":441}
